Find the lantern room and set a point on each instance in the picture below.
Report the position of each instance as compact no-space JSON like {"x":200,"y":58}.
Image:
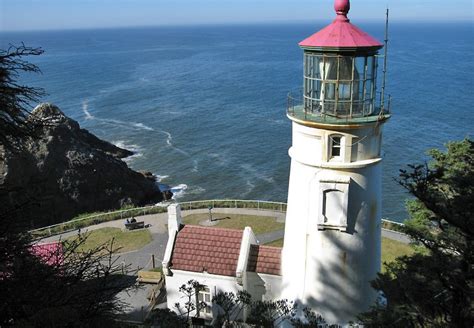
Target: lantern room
{"x":340,"y":75}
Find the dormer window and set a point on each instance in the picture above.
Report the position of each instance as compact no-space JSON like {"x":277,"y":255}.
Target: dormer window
{"x":335,"y":147}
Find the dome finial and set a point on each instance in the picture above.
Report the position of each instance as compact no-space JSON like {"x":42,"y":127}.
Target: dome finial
{"x":342,"y":7}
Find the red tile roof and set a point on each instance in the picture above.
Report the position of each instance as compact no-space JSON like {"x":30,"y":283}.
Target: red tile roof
{"x":50,"y":253}
{"x":214,"y":250}
{"x":264,"y":259}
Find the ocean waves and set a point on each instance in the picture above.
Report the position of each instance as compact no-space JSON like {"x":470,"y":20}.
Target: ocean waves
{"x":208,"y":115}
{"x":118,"y":123}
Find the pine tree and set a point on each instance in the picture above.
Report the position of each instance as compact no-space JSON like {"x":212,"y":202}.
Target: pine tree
{"x":434,"y":288}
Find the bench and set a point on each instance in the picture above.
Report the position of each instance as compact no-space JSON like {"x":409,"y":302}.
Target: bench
{"x":135,"y":225}
{"x":150,"y":277}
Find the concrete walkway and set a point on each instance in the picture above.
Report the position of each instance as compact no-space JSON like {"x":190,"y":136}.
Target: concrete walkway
{"x":395,"y":235}
{"x":268,"y":237}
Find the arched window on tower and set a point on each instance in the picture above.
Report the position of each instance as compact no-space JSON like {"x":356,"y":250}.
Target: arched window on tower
{"x":335,"y":147}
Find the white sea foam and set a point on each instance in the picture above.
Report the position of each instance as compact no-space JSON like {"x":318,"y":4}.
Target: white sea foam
{"x":169,"y":139}
{"x":168,"y":135}
{"x":256,"y":173}
{"x":85,"y":109}
{"x":197,"y":190}
{"x":160,"y":178}
{"x":179,"y":190}
{"x":136,"y":149}
{"x":195,"y":165}
{"x":172,"y":112}
{"x":128,"y":146}
{"x":276,"y":121}
{"x":220,"y":159}
{"x":179,"y":150}
{"x":142,"y":126}
{"x":250,"y":187}
{"x":132,"y":125}
{"x":127,"y":125}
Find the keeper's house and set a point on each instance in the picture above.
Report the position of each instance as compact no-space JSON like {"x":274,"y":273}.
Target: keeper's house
{"x":224,"y":260}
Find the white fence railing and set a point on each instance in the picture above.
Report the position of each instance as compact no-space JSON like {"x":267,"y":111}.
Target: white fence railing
{"x":161,"y":208}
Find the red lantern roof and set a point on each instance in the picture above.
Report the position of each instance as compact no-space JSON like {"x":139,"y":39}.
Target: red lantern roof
{"x":341,"y":33}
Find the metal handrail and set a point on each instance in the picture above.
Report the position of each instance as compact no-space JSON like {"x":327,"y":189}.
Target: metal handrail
{"x":296,"y":99}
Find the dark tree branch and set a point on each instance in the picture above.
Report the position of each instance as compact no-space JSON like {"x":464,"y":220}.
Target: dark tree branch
{"x":16,"y":100}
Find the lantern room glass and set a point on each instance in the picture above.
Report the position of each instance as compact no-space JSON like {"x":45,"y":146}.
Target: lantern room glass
{"x":340,"y":86}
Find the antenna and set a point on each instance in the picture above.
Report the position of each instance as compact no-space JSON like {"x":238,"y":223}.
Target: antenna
{"x":382,"y":97}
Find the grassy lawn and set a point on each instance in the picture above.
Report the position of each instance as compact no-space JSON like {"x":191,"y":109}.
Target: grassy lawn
{"x":125,"y":240}
{"x":391,"y":249}
{"x":259,"y":224}
{"x":276,"y":243}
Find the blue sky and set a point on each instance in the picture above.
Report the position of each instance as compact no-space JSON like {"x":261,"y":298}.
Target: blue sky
{"x":66,"y":14}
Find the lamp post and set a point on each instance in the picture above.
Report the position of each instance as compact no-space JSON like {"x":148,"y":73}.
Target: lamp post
{"x":210,"y":213}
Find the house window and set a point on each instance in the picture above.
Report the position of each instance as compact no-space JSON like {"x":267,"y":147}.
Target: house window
{"x":204,"y":298}
{"x":335,"y":145}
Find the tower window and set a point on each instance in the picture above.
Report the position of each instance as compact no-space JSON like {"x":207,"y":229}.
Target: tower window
{"x":333,"y":203}
{"x":333,"y":200}
{"x":335,"y":147}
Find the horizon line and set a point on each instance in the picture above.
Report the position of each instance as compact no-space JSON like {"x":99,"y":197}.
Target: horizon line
{"x":238,"y":23}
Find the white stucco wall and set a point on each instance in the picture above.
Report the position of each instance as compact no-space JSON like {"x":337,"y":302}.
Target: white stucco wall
{"x":248,"y":238}
{"x":215,"y":283}
{"x":174,"y":223}
{"x":273,"y":286}
{"x":330,"y":270}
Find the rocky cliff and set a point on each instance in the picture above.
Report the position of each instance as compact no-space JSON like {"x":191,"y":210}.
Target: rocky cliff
{"x":65,"y":170}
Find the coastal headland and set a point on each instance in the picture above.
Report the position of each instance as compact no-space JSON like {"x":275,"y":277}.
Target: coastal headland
{"x":65,"y":170}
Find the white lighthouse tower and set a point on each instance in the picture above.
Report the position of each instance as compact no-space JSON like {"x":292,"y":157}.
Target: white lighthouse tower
{"x":332,"y":241}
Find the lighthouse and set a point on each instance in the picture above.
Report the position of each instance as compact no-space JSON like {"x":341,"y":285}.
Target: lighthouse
{"x":332,"y":245}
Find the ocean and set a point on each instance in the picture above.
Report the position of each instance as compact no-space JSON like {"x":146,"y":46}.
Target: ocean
{"x":203,"y":107}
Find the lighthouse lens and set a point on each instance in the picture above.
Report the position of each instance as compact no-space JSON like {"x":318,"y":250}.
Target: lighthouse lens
{"x":340,"y":86}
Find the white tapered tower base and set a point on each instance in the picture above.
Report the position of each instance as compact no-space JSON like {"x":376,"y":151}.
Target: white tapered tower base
{"x":332,"y":241}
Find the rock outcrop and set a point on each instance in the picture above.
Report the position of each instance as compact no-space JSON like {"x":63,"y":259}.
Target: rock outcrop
{"x":65,"y":170}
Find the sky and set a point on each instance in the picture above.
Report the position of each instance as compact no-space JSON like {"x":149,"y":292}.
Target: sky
{"x":76,"y":14}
